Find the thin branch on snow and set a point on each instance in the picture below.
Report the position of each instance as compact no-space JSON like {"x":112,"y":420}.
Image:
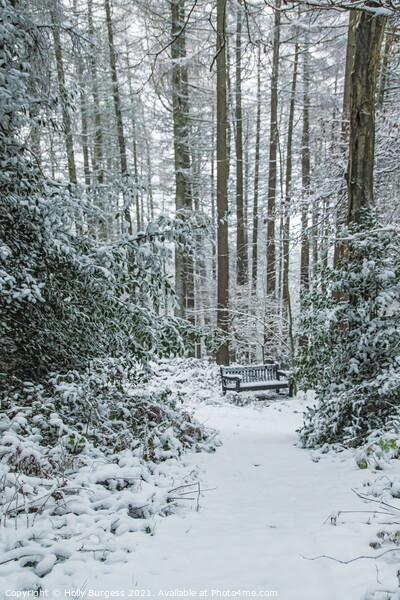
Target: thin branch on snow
{"x":381,"y":502}
{"x":346,"y":562}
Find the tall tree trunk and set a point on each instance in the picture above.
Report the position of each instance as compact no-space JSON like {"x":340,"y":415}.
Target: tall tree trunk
{"x":83,"y":109}
{"x":229,"y":105}
{"x":66,"y":117}
{"x":344,"y":138}
{"x":199,"y":267}
{"x":149,"y":179}
{"x":241,"y":247}
{"x":52,"y":156}
{"x":315,"y":236}
{"x":288,"y":183}
{"x":246,"y":167}
{"x":384,"y":66}
{"x":222,"y":187}
{"x":273,"y":147}
{"x":123,"y":161}
{"x":139,"y":212}
{"x":184,"y":282}
{"x":350,"y":50}
{"x":97,"y":160}
{"x":369,"y":32}
{"x":325,"y":234}
{"x":254,"y":266}
{"x":281,"y":236}
{"x":212,"y":190}
{"x":85,"y":137}
{"x":305,"y":175}
{"x":34,"y":137}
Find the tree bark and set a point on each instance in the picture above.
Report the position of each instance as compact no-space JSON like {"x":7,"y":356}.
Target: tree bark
{"x":85,"y":138}
{"x":83,"y":109}
{"x":288,"y":183}
{"x":314,"y":241}
{"x":222,"y":188}
{"x":369,"y":32}
{"x":97,"y":161}
{"x":212,"y":189}
{"x":350,"y":50}
{"x":254,"y":266}
{"x":241,"y":246}
{"x":139,"y":211}
{"x":384,"y":67}
{"x":118,"y":112}
{"x":273,"y":147}
{"x":34,"y":136}
{"x":344,"y":138}
{"x":246,"y":171}
{"x":149,"y":179}
{"x":184,"y":283}
{"x":305,"y":175}
{"x":66,"y":117}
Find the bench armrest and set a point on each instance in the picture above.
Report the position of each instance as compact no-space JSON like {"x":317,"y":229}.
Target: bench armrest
{"x":232,"y":377}
{"x":236,"y":379}
{"x":284,"y":373}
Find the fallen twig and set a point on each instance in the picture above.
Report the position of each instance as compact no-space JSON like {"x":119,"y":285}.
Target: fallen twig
{"x":381,"y":502}
{"x":346,"y":562}
{"x":334,"y":517}
{"x":180,"y":487}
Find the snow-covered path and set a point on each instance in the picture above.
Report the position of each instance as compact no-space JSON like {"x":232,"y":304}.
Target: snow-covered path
{"x":268,"y":507}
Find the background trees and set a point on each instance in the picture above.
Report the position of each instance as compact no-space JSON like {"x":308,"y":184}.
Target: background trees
{"x":237,"y":113}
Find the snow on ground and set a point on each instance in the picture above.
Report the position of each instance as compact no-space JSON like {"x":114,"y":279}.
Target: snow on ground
{"x":265,"y":505}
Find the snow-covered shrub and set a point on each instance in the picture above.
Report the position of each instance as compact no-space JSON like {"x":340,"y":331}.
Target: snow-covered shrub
{"x":378,"y":451}
{"x":65,"y":299}
{"x":53,"y":428}
{"x":88,"y":457}
{"x":90,"y":451}
{"x":352,"y":356}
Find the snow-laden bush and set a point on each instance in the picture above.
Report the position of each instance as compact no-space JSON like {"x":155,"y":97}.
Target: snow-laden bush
{"x":86,"y":458}
{"x":65,"y":298}
{"x":378,"y":451}
{"x":51,"y":429}
{"x":351,"y":330}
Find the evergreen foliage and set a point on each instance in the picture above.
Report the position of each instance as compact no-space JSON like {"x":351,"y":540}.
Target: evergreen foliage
{"x":65,"y":297}
{"x":351,"y":356}
{"x":81,"y":314}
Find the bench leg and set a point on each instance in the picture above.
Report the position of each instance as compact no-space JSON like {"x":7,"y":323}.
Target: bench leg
{"x":291,"y":390}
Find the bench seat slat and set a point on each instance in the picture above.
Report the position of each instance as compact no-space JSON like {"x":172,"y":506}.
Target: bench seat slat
{"x":253,"y":384}
{"x":254,"y":377}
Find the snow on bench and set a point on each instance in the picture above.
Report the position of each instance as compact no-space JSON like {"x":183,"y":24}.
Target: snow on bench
{"x":254,"y":378}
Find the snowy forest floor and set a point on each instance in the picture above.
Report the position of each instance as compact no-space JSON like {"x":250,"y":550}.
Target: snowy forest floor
{"x":264,"y":506}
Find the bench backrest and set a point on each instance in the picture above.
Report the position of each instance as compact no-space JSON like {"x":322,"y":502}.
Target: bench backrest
{"x":253,"y":373}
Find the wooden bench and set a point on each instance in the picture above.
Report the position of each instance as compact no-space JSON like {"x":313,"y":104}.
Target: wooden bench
{"x":254,"y":378}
